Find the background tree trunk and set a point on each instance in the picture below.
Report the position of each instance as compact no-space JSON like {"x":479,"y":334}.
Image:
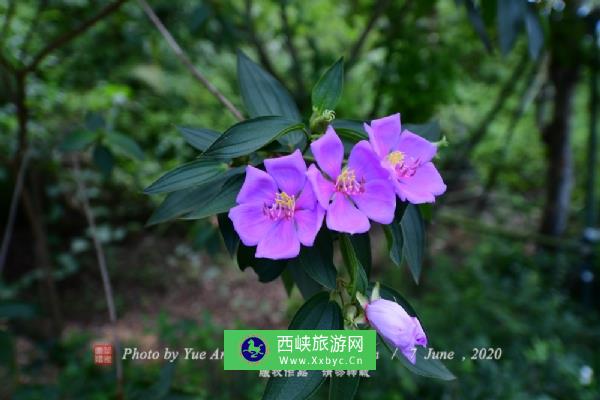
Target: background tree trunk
{"x":563,"y":77}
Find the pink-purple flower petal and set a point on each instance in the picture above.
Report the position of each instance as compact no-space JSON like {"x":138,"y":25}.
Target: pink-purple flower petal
{"x":280,"y":242}
{"x":415,"y":146}
{"x":384,"y":133}
{"x":250,"y":222}
{"x":258,"y":187}
{"x":378,"y":201}
{"x":329,"y":153}
{"x":288,"y":171}
{"x":365,"y":162}
{"x":422,"y":187}
{"x":343,"y":216}
{"x":308,"y":224}
{"x":322,"y":187}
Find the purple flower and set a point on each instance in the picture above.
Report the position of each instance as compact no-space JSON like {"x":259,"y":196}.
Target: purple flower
{"x":277,"y":210}
{"x":354,"y":194}
{"x":394,"y":324}
{"x":408,"y":159}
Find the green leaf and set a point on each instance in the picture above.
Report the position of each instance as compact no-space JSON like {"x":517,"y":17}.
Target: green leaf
{"x":181,"y":202}
{"x":266,"y":269}
{"x":343,"y":388}
{"x":413,"y":233}
{"x":393,"y":234}
{"x":262,"y":94}
{"x":124,"y":144}
{"x":199,"y":138}
{"x":362,"y":246}
{"x":307,"y":286}
{"x":317,"y":313}
{"x":195,"y":173}
{"x":222,"y":202}
{"x":478,"y":23}
{"x":78,"y":140}
{"x":248,"y":136}
{"x":230,"y":237}
{"x":103,"y":159}
{"x":350,"y":130}
{"x":358,"y":277}
{"x":317,"y":260}
{"x":422,"y":366}
{"x":430,"y":131}
{"x":328,"y":90}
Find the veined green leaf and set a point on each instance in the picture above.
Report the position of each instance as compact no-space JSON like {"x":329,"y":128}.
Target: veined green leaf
{"x":355,"y":269}
{"x":317,"y":313}
{"x":266,"y":269}
{"x":180,"y":202}
{"x":350,"y":130}
{"x":195,"y":173}
{"x":250,"y":135}
{"x":263,"y":95}
{"x":328,"y":90}
{"x":199,"y":138}
{"x":413,"y":233}
{"x":362,"y":246}
{"x":317,"y":260}
{"x":222,"y":202}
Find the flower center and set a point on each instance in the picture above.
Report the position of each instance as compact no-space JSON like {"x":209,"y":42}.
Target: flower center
{"x":348,"y":184}
{"x":283,"y":207}
{"x":403,"y":167}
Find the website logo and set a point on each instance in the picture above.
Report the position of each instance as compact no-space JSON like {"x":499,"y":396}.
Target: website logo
{"x":253,"y":349}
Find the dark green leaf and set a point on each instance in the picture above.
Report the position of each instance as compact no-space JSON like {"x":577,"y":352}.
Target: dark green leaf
{"x":195,"y":173}
{"x":222,"y":202}
{"x":266,"y":269}
{"x":355,"y":269}
{"x":307,"y":286}
{"x":263,"y":95}
{"x":430,"y":131}
{"x":424,"y":367}
{"x":230,"y":237}
{"x":413,"y":233}
{"x":288,"y":281}
{"x":535,"y":32}
{"x":343,"y":388}
{"x":103,"y":159}
{"x":393,"y":234}
{"x":181,"y":202}
{"x":510,"y":20}
{"x":250,"y":135}
{"x":328,"y":90}
{"x":350,"y":130}
{"x":316,"y":313}
{"x":78,"y":140}
{"x":478,"y":24}
{"x":317,"y":260}
{"x":124,"y":144}
{"x":362,"y":246}
{"x":199,"y":138}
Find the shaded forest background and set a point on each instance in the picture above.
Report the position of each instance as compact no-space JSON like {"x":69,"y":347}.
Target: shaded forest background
{"x":91,"y":98}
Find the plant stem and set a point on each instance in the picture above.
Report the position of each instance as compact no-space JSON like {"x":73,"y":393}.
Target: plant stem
{"x":185,"y":59}
{"x":108,"y":292}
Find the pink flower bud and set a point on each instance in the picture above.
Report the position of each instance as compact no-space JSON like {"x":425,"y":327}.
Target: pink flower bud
{"x":394,"y":324}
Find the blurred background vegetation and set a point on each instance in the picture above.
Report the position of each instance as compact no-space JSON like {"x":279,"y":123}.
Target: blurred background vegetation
{"x":90,"y":99}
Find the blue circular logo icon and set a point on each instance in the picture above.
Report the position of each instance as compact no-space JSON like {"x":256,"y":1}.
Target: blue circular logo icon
{"x":253,"y":349}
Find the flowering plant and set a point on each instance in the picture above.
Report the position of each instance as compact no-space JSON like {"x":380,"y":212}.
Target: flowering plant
{"x":285,"y":192}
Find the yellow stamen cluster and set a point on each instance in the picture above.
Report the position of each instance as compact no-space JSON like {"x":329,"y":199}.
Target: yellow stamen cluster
{"x":395,"y":157}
